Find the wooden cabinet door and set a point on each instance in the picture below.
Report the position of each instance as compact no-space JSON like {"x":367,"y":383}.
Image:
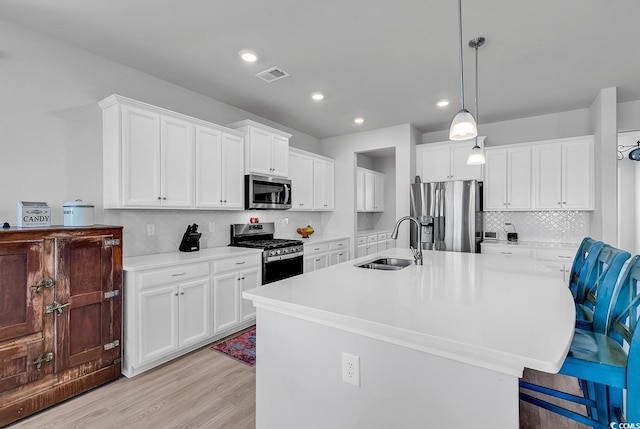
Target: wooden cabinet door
{"x":176,"y":171}
{"x":548,"y":176}
{"x":226,"y":301}
{"x":435,"y":163}
{"x":22,"y":340}
{"x":259,"y":156}
{"x":250,"y":280}
{"x":519,"y":179}
{"x":495,"y":180}
{"x":279,"y":156}
{"x":86,"y":285}
{"x":207,"y":165}
{"x":302,"y":181}
{"x":194,"y":311}
{"x":140,"y":158}
{"x":577,"y":175}
{"x":157,"y":323}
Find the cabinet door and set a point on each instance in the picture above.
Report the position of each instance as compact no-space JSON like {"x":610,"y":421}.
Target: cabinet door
{"x":369,"y":191}
{"x":226,"y":301}
{"x":360,"y":193}
{"x":157,"y":323}
{"x":232,"y":177}
{"x":322,"y":185}
{"x":547,"y":163}
{"x":495,"y":180}
{"x":21,"y":314}
{"x":89,"y":326}
{"x":208,"y":166}
{"x":140,"y":158}
{"x":308,"y":263}
{"x":390,"y":244}
{"x":378,"y":193}
{"x":259,"y":156}
{"x":194,"y":311}
{"x":338,"y":256}
{"x":301,"y":174}
{"x":577,"y":175}
{"x":460,"y":170}
{"x":279,"y":156}
{"x":436,"y":164}
{"x":250,"y":280}
{"x":519,"y":179}
{"x":361,"y":250}
{"x":176,"y":171}
{"x":372,"y":248}
{"x":329,"y":185}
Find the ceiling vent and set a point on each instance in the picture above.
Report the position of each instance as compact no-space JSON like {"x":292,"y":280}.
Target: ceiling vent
{"x":272,"y":74}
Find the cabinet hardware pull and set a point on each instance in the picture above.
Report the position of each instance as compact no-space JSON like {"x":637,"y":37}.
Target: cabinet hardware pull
{"x":242,"y":278}
{"x":317,"y":260}
{"x":56,"y":307}
{"x":565,"y":257}
{"x":178,"y":275}
{"x":240,"y":263}
{"x":159,"y":198}
{"x":164,"y":198}
{"x":42,"y":283}
{"x":317,"y":248}
{"x":176,"y":294}
{"x":181,"y":293}
{"x":46,"y":358}
{"x":506,"y":253}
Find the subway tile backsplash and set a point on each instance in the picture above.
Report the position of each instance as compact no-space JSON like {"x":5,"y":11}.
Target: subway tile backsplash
{"x":543,"y":226}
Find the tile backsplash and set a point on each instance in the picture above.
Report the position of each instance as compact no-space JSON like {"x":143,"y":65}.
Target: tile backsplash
{"x":543,"y":226}
{"x":170,"y":225}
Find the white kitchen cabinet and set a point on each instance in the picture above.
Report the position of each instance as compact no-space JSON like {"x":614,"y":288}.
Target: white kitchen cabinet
{"x":219,"y":164}
{"x":158,"y":323}
{"x":563,"y":174}
{"x":322,"y":254}
{"x":301,"y":175}
{"x":559,"y":261}
{"x":368,"y":243}
{"x":232,"y":277}
{"x":369,"y":190}
{"x":507,"y":179}
{"x":150,"y":160}
{"x":339,"y":251}
{"x":266,"y":149}
{"x":323,"y":184}
{"x":444,"y":161}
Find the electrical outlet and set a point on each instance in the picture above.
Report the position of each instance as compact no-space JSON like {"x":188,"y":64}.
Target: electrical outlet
{"x":151,"y":229}
{"x":212,"y":227}
{"x":351,"y":369}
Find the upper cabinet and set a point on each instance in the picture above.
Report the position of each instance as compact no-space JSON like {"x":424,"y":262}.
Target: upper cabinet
{"x":444,"y":161}
{"x":369,"y":190}
{"x":266,"y":149}
{"x":150,"y":159}
{"x":312,"y":181}
{"x":507,"y":179}
{"x":563,"y":174}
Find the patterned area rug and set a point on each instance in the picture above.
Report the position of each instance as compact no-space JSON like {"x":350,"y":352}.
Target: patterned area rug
{"x":241,"y":347}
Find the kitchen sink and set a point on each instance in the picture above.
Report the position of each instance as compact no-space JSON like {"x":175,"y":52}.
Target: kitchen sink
{"x":388,"y":264}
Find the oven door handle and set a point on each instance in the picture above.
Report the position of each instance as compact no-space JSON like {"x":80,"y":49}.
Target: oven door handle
{"x":268,"y":259}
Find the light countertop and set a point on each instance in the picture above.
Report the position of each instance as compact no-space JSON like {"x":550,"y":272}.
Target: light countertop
{"x":532,"y":244}
{"x":144,"y":262}
{"x":365,"y":232}
{"x":471,"y":308}
{"x":322,"y":238}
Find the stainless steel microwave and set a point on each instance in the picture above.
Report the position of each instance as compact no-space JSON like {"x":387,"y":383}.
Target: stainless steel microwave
{"x":266,"y":193}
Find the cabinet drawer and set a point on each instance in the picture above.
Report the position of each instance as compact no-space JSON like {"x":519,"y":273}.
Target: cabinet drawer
{"x":173,"y":274}
{"x":236,"y":263}
{"x":362,"y":240}
{"x":336,"y":245}
{"x":312,"y":249}
{"x":372,"y":238}
{"x":506,"y":251}
{"x":560,"y":255}
{"x":382,"y":237}
{"x":389,"y":237}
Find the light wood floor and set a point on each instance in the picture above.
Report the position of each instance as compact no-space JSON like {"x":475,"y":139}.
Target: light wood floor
{"x":206,"y":389}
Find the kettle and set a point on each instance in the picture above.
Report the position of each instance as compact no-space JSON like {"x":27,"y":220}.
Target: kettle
{"x":191,"y":239}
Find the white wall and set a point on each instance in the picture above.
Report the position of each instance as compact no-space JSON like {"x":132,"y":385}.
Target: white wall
{"x":51,"y":124}
{"x":344,"y":149}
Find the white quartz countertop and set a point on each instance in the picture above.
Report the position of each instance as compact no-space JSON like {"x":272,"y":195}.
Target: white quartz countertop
{"x":323,"y":238}
{"x":472,"y":308}
{"x":531,"y":244}
{"x":144,"y":262}
{"x":365,"y":232}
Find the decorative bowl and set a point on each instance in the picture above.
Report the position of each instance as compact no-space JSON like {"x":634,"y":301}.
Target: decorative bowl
{"x":304,"y":233}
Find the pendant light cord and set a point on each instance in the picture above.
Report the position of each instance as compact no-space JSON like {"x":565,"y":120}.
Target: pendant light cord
{"x":477,"y":116}
{"x":461,"y":60}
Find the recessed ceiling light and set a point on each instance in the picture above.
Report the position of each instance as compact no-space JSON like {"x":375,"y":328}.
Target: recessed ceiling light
{"x":358,"y":120}
{"x":248,"y":56}
{"x":317,"y":96}
{"x":442,"y":103}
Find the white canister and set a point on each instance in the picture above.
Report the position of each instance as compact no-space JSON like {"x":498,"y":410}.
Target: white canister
{"x":78,"y":213}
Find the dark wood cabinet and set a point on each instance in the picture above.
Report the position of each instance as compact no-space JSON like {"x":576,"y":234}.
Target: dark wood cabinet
{"x":60,"y":315}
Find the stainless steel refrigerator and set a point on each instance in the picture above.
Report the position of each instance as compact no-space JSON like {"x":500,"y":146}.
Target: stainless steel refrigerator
{"x":450,"y":214}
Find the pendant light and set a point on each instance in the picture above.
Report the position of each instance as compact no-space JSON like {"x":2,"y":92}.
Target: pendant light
{"x":476,"y":156}
{"x":463,"y":126}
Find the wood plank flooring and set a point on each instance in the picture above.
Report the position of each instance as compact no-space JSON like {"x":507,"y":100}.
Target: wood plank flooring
{"x":206,"y":389}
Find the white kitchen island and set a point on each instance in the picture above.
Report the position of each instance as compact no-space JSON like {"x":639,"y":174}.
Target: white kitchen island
{"x":439,"y":345}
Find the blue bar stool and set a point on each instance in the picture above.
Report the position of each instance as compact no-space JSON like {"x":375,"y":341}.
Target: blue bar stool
{"x":589,"y":246}
{"x":607,"y":361}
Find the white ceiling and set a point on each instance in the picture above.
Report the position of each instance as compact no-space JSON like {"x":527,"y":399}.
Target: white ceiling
{"x":388,"y":61}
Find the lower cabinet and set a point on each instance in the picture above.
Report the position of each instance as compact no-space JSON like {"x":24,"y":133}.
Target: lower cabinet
{"x":327,"y":253}
{"x":60,"y":315}
{"x":368,"y":244}
{"x":177,"y":307}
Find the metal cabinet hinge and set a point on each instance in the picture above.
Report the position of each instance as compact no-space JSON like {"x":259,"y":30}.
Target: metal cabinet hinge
{"x":111,"y":294}
{"x":112,"y":345}
{"x":46,"y":358}
{"x":56,"y":307}
{"x":42,"y":283}
{"x":112,"y":242}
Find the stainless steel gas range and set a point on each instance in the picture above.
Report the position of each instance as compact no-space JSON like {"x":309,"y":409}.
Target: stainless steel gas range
{"x":281,"y":258}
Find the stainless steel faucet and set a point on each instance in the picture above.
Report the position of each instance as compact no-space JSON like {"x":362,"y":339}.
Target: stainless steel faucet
{"x":417,"y":253}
